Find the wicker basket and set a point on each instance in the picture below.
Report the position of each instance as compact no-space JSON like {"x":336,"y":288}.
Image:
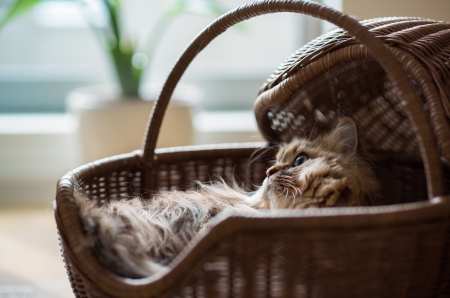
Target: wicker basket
{"x":399,"y":250}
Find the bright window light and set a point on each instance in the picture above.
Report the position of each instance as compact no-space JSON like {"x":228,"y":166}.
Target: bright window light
{"x":68,"y":14}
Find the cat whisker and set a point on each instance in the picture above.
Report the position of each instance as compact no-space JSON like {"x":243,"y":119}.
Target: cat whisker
{"x":297,"y":191}
{"x":287,"y":193}
{"x":294,"y":193}
{"x":260,"y":152}
{"x":301,"y":194}
{"x":256,"y":155}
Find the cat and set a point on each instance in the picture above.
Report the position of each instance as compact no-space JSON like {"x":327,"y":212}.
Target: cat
{"x":327,"y":171}
{"x":138,"y":237}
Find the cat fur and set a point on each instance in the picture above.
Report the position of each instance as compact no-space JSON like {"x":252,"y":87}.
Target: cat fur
{"x":138,"y":237}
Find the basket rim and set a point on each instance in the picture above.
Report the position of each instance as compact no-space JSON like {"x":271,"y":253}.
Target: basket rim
{"x":196,"y":253}
{"x":83,"y":259}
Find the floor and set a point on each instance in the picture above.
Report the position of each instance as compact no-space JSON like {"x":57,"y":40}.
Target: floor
{"x":30,"y":260}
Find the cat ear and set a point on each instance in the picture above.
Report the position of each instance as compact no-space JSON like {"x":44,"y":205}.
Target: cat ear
{"x":347,"y":134}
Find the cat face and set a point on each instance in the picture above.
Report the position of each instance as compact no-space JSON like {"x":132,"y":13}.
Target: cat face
{"x":324,"y":172}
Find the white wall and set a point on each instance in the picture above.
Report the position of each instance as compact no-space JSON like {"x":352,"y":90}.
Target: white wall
{"x":249,"y":52}
{"x":35,"y":151}
{"x":367,"y":9}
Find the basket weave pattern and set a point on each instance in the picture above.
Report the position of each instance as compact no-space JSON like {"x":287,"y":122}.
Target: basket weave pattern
{"x":335,"y":66}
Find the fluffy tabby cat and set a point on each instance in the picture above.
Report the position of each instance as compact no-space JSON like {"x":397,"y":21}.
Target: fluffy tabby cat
{"x":137,"y":237}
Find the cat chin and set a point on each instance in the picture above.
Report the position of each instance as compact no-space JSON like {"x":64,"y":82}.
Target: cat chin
{"x":273,"y":198}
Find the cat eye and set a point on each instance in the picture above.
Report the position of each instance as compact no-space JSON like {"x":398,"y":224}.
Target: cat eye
{"x":300,"y":159}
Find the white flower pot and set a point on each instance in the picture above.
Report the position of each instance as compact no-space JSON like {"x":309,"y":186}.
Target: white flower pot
{"x":110,"y":125}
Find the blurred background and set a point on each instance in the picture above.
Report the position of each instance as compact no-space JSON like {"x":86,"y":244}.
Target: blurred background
{"x":49,"y":49}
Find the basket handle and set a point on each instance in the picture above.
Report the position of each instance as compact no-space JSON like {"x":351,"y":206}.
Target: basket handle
{"x":375,"y":47}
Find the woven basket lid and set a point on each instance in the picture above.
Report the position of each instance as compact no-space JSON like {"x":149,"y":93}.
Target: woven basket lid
{"x":334,"y":75}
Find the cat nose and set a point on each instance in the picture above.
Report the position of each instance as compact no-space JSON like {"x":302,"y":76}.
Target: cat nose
{"x":272,"y":171}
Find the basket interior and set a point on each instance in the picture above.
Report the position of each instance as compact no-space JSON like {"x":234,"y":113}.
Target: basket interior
{"x":401,"y":175}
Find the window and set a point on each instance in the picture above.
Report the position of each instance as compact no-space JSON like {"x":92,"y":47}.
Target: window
{"x":51,"y":50}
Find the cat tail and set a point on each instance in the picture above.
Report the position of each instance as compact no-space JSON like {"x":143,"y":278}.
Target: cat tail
{"x":108,"y":228}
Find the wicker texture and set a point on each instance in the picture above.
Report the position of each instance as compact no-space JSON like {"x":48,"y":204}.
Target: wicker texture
{"x":394,"y":87}
{"x":357,"y":85}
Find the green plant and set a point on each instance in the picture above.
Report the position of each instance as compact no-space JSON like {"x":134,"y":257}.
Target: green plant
{"x":15,"y":8}
{"x":129,"y":61}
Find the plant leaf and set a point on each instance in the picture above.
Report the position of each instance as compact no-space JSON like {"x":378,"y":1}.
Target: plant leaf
{"x":113,"y":9}
{"x":16,"y":8}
